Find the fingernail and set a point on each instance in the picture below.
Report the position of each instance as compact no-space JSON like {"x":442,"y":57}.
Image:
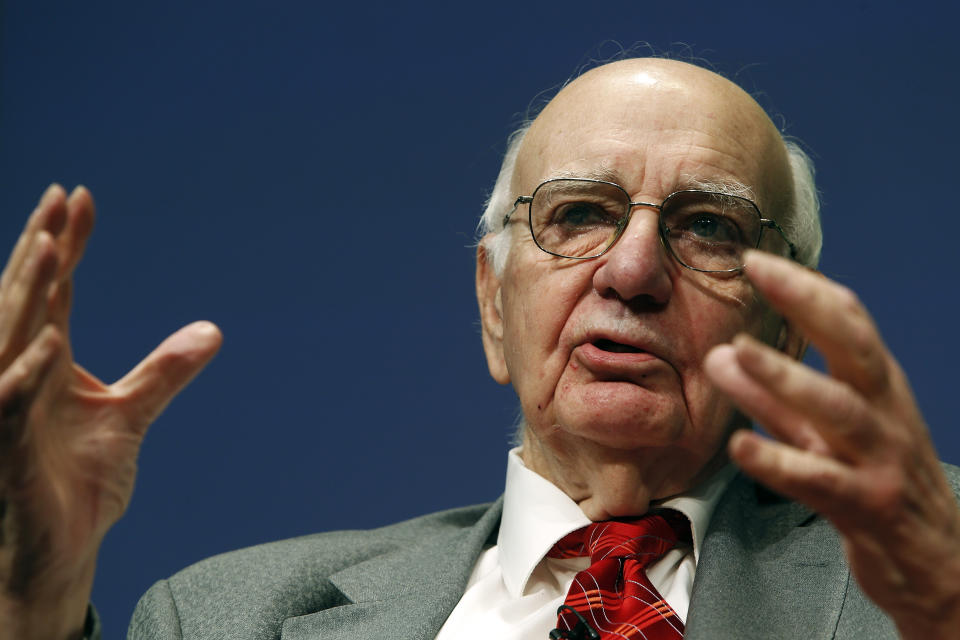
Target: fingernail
{"x":752,"y":355}
{"x":739,"y":444}
{"x":744,"y":341}
{"x":80,"y":188}
{"x":713,"y":362}
{"x":757,"y":257}
{"x":762,"y":265}
{"x":51,"y":193}
{"x":747,"y":347}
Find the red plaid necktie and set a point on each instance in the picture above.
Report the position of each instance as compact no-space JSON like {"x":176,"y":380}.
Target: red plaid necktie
{"x":614,"y":595}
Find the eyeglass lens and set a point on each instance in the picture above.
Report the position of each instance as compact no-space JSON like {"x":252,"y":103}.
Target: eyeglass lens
{"x":704,"y":230}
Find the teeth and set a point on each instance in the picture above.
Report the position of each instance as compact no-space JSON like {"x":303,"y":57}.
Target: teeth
{"x":615,"y":347}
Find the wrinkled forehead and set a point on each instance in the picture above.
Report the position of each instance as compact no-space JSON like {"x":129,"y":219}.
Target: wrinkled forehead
{"x":656,"y":126}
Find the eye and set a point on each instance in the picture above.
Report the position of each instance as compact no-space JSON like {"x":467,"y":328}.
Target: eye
{"x":582,"y":214}
{"x":705,"y":225}
{"x":710,"y":227}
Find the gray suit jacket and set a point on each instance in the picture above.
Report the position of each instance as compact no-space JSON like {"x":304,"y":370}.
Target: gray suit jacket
{"x":769,"y":568}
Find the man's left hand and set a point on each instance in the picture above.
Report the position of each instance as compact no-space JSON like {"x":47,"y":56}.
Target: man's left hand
{"x":852,"y":445}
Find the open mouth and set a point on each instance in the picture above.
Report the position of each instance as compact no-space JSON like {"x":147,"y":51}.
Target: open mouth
{"x":615,"y":347}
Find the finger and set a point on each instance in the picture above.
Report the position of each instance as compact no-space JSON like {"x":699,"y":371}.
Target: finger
{"x":23,"y":304}
{"x":59,"y":299}
{"x":750,"y":395}
{"x":822,"y":483}
{"x":827,"y":313}
{"x":70,"y":247}
{"x":86,"y":381}
{"x":79,"y":223}
{"x":840,"y":415}
{"x":50,"y":215}
{"x":153,"y":383}
{"x":22,"y":380}
{"x":879,"y":502}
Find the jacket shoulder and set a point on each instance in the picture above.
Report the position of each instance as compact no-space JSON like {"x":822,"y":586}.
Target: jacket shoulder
{"x":953,"y":477}
{"x":249,"y":592}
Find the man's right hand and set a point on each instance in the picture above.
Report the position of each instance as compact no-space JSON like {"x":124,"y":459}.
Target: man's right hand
{"x":68,"y":442}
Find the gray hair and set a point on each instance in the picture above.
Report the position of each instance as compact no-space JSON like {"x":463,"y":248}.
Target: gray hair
{"x":801,"y":225}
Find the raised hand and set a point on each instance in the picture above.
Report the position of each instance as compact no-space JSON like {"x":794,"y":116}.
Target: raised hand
{"x":852,"y":445}
{"x":68,"y":442}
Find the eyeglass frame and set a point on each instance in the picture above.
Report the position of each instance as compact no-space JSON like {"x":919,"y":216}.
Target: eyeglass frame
{"x":765,"y":223}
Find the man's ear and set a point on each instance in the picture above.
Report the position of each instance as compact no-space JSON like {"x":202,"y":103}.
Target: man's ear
{"x":790,"y":341}
{"x":491,"y":316}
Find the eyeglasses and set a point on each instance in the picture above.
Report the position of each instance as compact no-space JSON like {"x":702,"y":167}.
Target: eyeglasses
{"x":581,"y":218}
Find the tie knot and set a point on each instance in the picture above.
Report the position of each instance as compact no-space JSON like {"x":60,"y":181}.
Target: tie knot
{"x":644,"y":539}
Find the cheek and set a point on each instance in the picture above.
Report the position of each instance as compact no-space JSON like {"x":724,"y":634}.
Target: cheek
{"x":715,"y":310}
{"x":702,"y":321}
{"x":705,"y":318}
{"x":536,"y":308}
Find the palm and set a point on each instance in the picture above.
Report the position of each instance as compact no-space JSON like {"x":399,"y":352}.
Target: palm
{"x":81,"y":434}
{"x":68,"y":442}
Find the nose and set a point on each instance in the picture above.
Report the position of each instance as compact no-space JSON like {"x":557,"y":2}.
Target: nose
{"x":636,"y":268}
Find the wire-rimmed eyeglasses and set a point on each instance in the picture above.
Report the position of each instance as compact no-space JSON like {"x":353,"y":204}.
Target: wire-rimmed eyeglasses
{"x":581,"y":218}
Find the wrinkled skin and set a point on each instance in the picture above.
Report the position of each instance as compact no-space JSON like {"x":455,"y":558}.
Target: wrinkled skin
{"x":616,"y":430}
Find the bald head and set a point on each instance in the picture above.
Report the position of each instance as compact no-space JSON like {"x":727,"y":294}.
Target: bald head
{"x":666,"y":125}
{"x":660,"y":123}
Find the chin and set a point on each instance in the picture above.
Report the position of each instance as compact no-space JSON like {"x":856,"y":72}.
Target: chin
{"x":622,"y":420}
{"x":627,"y":433}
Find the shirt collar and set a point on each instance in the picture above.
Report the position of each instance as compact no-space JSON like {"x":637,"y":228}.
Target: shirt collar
{"x":536,"y":514}
{"x":699,"y":503}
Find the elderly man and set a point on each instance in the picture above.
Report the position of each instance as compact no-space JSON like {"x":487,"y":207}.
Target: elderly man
{"x":620,"y":296}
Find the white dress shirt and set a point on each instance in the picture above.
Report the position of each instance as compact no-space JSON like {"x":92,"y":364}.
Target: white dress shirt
{"x":514,"y":590}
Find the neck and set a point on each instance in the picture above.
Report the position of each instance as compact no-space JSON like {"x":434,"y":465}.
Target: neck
{"x":613,"y":483}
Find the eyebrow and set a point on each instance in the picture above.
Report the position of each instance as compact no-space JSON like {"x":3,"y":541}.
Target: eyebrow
{"x":686,"y":181}
{"x":724,"y":186}
{"x":603,"y":173}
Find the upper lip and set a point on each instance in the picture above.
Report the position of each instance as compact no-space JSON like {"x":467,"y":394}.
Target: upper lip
{"x":642,"y":340}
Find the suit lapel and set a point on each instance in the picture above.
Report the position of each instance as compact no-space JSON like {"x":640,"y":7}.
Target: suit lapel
{"x":769,"y":568}
{"x":404,"y":594}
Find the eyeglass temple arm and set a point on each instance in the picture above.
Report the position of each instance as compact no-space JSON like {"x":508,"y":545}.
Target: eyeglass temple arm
{"x":772,"y":224}
{"x":517,"y":203}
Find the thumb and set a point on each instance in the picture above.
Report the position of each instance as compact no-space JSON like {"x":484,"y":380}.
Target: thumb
{"x":153,"y":383}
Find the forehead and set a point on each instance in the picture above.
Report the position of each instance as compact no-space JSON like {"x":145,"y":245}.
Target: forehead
{"x":655,"y":126}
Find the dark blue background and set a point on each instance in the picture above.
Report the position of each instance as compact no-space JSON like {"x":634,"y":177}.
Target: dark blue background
{"x":309,"y":175}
